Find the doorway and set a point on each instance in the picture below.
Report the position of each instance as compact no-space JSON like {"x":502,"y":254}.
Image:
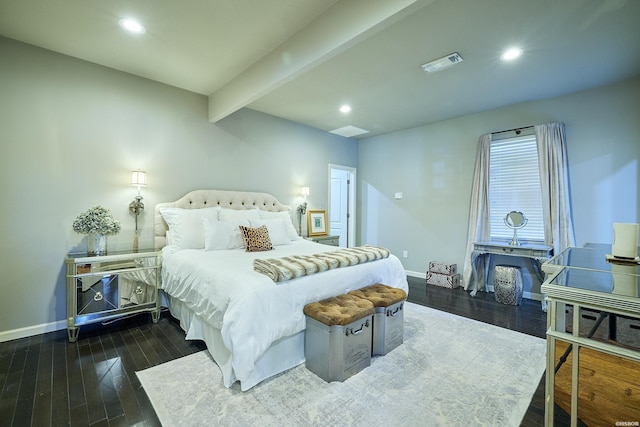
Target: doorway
{"x":342,"y":196}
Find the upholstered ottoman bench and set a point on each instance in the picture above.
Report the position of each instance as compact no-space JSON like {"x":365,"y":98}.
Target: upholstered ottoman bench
{"x":388,"y":318}
{"x":337,"y":341}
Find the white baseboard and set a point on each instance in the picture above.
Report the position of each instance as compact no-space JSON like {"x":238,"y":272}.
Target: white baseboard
{"x":416,"y":274}
{"x":533,"y":296}
{"x":32,"y":330}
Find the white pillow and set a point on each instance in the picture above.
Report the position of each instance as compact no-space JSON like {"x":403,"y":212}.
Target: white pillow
{"x":277,"y":228}
{"x":227,"y":214}
{"x":185,"y":225}
{"x":220,"y":235}
{"x":293,"y":234}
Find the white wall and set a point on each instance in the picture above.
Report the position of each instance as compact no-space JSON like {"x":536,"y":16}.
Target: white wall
{"x":433,"y":166}
{"x":72,"y":131}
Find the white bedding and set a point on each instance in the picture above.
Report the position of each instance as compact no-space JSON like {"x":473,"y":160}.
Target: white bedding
{"x":251,"y":311}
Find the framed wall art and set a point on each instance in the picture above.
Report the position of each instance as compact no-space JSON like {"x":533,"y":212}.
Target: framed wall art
{"x":317,"y":223}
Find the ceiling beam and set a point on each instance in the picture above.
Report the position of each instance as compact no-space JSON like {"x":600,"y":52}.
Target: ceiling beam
{"x":341,"y":26}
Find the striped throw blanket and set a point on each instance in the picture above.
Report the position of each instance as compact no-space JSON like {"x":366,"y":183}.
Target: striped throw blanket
{"x":287,"y":268}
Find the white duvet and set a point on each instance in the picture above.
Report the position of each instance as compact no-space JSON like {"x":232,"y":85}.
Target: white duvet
{"x":251,"y":310}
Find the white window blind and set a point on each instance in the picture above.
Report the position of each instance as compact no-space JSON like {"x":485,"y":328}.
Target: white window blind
{"x":514,"y":185}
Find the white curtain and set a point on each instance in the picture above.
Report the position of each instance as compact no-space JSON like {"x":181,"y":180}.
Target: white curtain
{"x":479,"y":228}
{"x":554,"y":177}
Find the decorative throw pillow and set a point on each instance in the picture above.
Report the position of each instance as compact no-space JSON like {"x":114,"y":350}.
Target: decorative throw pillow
{"x":256,"y":239}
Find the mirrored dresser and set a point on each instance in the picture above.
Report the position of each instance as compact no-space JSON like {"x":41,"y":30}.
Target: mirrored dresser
{"x":587,"y":281}
{"x":107,"y":287}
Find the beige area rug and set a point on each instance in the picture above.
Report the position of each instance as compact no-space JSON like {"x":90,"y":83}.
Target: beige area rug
{"x":450,"y":371}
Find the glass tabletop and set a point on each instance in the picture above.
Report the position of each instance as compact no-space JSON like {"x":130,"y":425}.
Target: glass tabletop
{"x":588,"y":268}
{"x":593,"y":257}
{"x":119,"y":254}
{"x":599,"y":281}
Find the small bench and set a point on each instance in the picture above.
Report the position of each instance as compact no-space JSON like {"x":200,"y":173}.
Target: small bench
{"x":338,"y":336}
{"x":388,"y":318}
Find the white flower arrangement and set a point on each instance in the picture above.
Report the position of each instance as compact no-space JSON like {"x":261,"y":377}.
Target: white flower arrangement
{"x":97,"y":220}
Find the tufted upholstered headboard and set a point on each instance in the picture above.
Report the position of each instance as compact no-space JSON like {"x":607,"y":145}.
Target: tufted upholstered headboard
{"x":198,"y":199}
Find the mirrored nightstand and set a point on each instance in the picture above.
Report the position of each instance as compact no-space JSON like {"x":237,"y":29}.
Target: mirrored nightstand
{"x":106,"y":287}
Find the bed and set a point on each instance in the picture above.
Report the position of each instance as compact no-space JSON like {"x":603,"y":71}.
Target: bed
{"x":252,"y":325}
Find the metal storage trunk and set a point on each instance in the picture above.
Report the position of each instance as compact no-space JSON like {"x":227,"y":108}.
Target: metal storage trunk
{"x":337,"y":352}
{"x":388,"y":328}
{"x":388,"y":318}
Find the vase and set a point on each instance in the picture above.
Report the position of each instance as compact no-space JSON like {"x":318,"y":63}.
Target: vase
{"x":96,"y":244}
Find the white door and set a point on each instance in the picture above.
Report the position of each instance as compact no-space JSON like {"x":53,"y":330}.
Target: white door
{"x":341,"y":204}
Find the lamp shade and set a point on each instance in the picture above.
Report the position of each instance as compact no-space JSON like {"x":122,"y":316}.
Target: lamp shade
{"x":139,"y":178}
{"x":305,"y":191}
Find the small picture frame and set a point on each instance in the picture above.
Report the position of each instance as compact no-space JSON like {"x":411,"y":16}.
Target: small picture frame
{"x":317,"y":223}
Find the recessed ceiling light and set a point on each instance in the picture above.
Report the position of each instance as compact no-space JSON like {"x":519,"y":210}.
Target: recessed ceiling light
{"x":511,"y":54}
{"x":132,"y":25}
{"x":345,"y":109}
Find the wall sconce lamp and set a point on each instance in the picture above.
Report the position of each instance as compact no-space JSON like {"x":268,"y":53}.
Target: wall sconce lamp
{"x":302,"y":209}
{"x":139,"y":179}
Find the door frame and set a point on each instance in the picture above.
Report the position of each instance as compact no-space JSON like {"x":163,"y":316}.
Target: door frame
{"x":351,"y":200}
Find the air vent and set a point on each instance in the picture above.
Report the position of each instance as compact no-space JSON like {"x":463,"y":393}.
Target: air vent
{"x":442,"y":63}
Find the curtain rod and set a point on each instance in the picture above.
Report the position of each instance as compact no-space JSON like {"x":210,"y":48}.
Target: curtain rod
{"x":512,"y":130}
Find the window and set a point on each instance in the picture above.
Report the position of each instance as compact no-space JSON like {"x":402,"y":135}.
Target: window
{"x":514,"y":185}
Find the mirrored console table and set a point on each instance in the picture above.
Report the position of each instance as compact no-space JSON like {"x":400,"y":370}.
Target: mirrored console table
{"x":101,"y":288}
{"x":583,"y":279}
{"x":536,"y":253}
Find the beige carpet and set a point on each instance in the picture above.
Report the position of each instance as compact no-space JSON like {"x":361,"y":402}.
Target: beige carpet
{"x":449,"y":371}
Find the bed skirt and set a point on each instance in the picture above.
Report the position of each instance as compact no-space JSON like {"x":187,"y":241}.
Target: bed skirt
{"x":282,"y":355}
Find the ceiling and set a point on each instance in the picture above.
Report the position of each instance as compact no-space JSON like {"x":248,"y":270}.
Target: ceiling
{"x":302,"y":59}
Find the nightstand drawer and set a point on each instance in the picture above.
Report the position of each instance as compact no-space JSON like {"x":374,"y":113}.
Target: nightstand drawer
{"x":326,"y":240}
{"x":98,"y":297}
{"x":332,"y":241}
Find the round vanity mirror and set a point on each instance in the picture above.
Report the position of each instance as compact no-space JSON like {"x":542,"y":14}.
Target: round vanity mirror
{"x":515,"y":220}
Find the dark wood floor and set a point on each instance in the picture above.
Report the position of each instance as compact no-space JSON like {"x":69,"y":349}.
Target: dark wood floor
{"x":47,"y":381}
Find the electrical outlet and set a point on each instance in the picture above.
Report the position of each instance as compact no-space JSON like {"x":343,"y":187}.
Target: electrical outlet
{"x":405,"y":254}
